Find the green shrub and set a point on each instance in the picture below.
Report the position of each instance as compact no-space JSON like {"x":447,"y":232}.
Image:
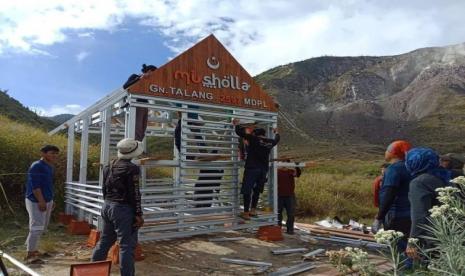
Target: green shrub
{"x":20,"y":146}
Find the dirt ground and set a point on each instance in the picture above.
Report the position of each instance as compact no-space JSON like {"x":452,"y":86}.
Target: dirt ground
{"x":196,"y":256}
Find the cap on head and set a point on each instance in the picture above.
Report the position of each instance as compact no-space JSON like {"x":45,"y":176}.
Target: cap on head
{"x":129,"y":148}
{"x":147,"y":68}
{"x":48,"y":148}
{"x":259,"y":132}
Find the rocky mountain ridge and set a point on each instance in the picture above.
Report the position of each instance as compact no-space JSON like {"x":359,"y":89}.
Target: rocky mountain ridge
{"x":353,"y":101}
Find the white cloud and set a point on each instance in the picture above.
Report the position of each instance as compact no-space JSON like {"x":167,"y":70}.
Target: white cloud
{"x":87,"y":34}
{"x":58,"y":109}
{"x":261,"y":34}
{"x":81,"y":56}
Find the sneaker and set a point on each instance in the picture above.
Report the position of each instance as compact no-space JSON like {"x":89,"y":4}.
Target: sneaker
{"x":290,"y":232}
{"x":245,"y":215}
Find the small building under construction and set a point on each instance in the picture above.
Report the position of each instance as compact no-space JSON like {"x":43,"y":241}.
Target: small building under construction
{"x":196,"y":189}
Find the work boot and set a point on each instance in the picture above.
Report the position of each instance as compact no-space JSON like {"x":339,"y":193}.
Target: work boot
{"x":245,"y":215}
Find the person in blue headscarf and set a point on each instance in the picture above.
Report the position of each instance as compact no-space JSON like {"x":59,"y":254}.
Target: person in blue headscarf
{"x":423,"y":165}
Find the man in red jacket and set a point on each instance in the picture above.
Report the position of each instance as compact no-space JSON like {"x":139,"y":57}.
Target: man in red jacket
{"x":286,"y":196}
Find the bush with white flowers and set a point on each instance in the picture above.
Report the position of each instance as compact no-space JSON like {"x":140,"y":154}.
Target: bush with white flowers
{"x":442,"y":249}
{"x":352,"y":260}
{"x":445,"y":240}
{"x":391,"y":239}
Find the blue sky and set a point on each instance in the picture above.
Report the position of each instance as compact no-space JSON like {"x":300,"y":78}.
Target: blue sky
{"x":81,"y":70}
{"x":60,"y":56}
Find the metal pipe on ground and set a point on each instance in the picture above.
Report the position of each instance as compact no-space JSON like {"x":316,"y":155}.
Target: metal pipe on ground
{"x":245,"y":262}
{"x":313,"y":253}
{"x":349,"y":241}
{"x":226,"y":239}
{"x":18,"y":264}
{"x":288,"y":250}
{"x":292,"y":270}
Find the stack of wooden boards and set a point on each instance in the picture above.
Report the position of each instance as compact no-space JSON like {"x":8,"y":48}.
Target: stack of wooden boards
{"x":334,"y":232}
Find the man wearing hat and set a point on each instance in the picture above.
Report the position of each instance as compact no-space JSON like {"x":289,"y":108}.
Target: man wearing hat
{"x":122,"y":211}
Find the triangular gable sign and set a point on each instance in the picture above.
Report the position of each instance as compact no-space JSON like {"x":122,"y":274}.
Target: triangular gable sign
{"x":205,"y":73}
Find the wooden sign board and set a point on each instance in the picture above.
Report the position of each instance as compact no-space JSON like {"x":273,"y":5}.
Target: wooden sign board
{"x":206,"y":73}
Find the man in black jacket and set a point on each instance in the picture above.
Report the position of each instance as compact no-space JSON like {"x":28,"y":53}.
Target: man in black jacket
{"x":142,"y":113}
{"x":122,"y":211}
{"x":256,"y":166}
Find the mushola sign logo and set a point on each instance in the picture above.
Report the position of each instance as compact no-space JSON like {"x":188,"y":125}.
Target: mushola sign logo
{"x":213,"y":80}
{"x":213,"y":65}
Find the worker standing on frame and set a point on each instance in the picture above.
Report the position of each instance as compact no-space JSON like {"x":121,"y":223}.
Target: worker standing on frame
{"x":256,"y":166}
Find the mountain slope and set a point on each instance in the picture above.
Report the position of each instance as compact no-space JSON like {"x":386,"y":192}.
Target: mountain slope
{"x":61,"y":118}
{"x":363,"y":103}
{"x":14,"y":110}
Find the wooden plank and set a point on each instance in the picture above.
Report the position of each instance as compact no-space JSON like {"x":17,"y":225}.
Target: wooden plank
{"x":337,"y":232}
{"x":343,"y":231}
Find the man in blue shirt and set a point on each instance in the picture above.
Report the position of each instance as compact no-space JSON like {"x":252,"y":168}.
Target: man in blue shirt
{"x":39,"y":197}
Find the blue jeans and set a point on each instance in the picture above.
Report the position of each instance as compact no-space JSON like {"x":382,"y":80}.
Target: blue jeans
{"x":118,"y":220}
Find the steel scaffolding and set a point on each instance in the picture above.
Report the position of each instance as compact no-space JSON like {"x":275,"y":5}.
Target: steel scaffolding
{"x":194,"y":192}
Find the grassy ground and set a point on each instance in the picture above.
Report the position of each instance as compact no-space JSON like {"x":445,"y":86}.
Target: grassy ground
{"x":13,"y":234}
{"x":337,"y":188}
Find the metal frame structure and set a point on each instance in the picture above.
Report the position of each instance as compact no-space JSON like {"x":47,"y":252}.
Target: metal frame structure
{"x":189,"y":201}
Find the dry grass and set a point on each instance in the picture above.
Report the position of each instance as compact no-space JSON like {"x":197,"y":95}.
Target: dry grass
{"x":20,"y":146}
{"x":341,"y":188}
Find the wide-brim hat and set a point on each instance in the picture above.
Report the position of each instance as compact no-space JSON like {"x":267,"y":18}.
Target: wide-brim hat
{"x":129,"y":148}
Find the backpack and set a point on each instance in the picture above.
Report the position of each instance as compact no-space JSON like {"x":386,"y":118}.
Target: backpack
{"x":116,"y":183}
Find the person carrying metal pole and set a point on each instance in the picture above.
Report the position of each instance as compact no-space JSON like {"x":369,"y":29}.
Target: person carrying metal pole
{"x":39,"y":197}
{"x":122,"y":210}
{"x":256,"y":166}
{"x":286,"y":196}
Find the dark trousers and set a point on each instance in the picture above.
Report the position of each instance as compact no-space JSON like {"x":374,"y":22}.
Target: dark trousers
{"x":288,"y":203}
{"x":142,"y":114}
{"x":252,"y":186}
{"x":118,"y":220}
{"x":215,"y":187}
{"x":251,"y":200}
{"x":401,"y":225}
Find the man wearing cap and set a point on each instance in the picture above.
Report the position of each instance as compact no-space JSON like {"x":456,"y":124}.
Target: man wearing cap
{"x":142,"y":113}
{"x":122,"y":211}
{"x":39,"y":197}
{"x":450,"y":162}
{"x":256,"y":166}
